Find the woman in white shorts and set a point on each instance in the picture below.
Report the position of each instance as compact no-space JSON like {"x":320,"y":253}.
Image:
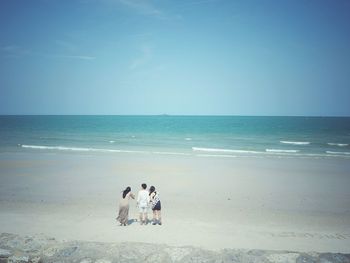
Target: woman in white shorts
{"x":142,"y":202}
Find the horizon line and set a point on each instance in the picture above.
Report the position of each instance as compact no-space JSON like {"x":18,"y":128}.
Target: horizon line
{"x":185,"y":115}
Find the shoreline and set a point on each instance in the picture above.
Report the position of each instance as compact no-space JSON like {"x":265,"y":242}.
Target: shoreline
{"x":276,"y":152}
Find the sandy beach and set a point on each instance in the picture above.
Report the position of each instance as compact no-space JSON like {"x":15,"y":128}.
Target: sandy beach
{"x":236,"y":111}
{"x":289,"y":204}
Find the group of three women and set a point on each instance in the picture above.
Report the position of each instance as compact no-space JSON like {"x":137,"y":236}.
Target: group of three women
{"x":145,"y":199}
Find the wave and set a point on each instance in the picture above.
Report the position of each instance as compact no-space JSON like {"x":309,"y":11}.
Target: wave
{"x":281,"y":151}
{"x":217,"y":155}
{"x":112,"y":141}
{"x":213,"y":152}
{"x":54,"y":148}
{"x":295,"y":143}
{"x":171,"y":153}
{"x":342,"y":153}
{"x":203,"y":152}
{"x":79,"y":149}
{"x":338,"y":144}
{"x":188,"y":139}
{"x":198,"y":149}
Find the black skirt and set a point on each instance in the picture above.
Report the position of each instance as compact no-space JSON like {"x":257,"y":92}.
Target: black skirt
{"x":157,"y":206}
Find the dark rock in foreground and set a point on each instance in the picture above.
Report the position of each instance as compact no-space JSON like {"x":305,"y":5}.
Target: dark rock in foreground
{"x":14,"y":248}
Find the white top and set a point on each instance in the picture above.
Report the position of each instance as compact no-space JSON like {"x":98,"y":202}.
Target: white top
{"x":143,"y":198}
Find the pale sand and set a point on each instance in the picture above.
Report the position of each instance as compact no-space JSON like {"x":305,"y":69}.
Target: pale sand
{"x":214,"y":203}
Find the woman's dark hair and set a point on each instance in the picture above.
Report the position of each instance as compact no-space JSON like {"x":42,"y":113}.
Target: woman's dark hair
{"x":151,"y":189}
{"x":126,"y":191}
{"x":144,"y":186}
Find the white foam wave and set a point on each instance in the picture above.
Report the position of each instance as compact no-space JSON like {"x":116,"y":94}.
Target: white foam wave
{"x":341,"y":153}
{"x":217,"y":155}
{"x":207,"y":152}
{"x":80,"y":149}
{"x":281,"y":151}
{"x":198,"y":149}
{"x":171,"y":153}
{"x":338,"y":144}
{"x":112,"y":141}
{"x":55,"y":148}
{"x":188,"y":139}
{"x":295,"y":143}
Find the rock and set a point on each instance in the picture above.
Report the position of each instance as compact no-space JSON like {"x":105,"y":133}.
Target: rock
{"x":200,"y":256}
{"x":10,"y":240}
{"x":283,"y":257}
{"x":49,"y":252}
{"x":40,"y":249}
{"x":35,"y":260}
{"x":334,"y":258}
{"x":178,"y":253}
{"x":236,"y":255}
{"x":6,"y":236}
{"x":160,"y":256}
{"x":4,"y":253}
{"x":86,"y":260}
{"x":103,"y":261}
{"x":66,"y":252}
{"x":18,"y":259}
{"x":304,"y":258}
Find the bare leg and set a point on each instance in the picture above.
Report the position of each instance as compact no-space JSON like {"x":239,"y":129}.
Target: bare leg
{"x":154,"y":217}
{"x":145,"y":218}
{"x":141,"y":221}
{"x":159,"y":215}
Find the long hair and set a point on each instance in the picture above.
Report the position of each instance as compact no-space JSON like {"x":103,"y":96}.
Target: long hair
{"x":151,"y":189}
{"x":126,"y":191}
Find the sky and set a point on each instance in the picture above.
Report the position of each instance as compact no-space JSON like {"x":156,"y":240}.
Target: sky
{"x":181,"y":57}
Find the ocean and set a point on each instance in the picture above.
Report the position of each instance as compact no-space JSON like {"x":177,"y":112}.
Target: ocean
{"x":202,"y":136}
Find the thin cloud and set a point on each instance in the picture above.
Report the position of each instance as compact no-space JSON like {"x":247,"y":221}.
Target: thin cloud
{"x":14,"y":51}
{"x":140,"y":7}
{"x":146,"y":55}
{"x":70,"y":57}
{"x":10,"y":48}
{"x":140,"y":35}
{"x":199,"y":2}
{"x":71,"y":48}
{"x":144,"y":7}
{"x":66,"y":45}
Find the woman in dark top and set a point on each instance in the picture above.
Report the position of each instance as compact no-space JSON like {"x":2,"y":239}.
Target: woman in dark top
{"x":156,"y":205}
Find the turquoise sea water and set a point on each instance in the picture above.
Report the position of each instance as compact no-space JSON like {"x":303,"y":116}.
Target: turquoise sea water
{"x":210,"y":136}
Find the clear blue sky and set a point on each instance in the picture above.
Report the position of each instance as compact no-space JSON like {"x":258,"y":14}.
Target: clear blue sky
{"x":176,"y":57}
